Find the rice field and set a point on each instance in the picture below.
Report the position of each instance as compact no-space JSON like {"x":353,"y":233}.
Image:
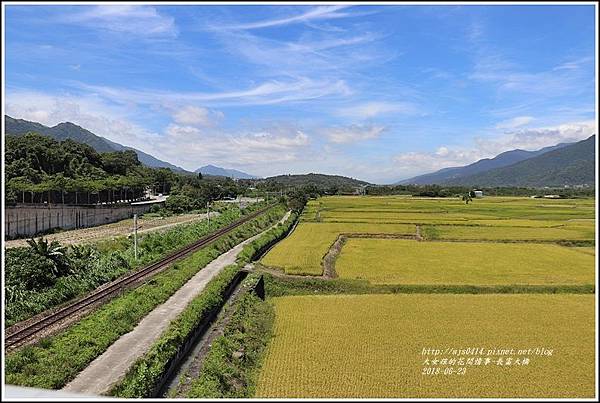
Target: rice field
{"x":491,"y":218}
{"x":303,"y":251}
{"x":398,"y":261}
{"x":565,"y":232}
{"x":371,"y":346}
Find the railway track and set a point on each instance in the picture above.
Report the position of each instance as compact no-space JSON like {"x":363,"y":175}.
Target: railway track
{"x":18,"y":334}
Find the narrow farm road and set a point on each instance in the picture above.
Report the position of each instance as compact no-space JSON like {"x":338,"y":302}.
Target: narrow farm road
{"x":110,"y":367}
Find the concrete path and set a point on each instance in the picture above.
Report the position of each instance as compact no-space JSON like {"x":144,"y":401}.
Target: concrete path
{"x":110,"y":367}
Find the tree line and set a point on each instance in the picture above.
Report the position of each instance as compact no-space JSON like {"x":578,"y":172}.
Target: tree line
{"x":40,"y":169}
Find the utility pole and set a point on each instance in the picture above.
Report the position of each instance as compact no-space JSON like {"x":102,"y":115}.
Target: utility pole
{"x":135,"y":243}
{"x":208,"y":213}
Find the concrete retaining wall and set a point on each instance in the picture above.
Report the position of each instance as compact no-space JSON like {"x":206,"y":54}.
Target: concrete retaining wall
{"x":28,"y":220}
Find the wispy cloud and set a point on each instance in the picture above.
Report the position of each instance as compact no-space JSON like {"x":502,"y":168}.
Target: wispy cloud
{"x":187,"y":145}
{"x":136,"y":20}
{"x":270,"y":92}
{"x":315,"y":13}
{"x":492,"y":65}
{"x":191,"y":145}
{"x":320,"y":55}
{"x":377,"y":108}
{"x":514,"y":122}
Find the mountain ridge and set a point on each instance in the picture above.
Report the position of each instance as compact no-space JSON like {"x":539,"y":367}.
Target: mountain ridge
{"x":227,"y":172}
{"x":570,"y":165}
{"x":69,"y":130}
{"x":503,"y":159}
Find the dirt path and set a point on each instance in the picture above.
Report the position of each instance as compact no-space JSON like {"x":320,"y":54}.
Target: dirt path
{"x":113,"y":230}
{"x":110,"y":367}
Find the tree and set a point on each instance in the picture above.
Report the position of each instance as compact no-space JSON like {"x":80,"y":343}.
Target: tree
{"x":53,"y":251}
{"x":467,"y":197}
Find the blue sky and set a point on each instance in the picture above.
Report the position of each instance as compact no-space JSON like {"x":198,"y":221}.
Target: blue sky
{"x":379,"y":93}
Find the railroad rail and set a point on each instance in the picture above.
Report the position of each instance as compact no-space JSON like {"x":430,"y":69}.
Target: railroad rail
{"x":16,"y":334}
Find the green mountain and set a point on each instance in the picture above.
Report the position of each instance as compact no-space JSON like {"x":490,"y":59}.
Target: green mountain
{"x":320,"y":180}
{"x":68,"y":130}
{"x":501,"y":160}
{"x":570,"y":165}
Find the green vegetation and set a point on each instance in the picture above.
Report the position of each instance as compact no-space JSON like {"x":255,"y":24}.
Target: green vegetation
{"x":55,"y":360}
{"x":231,"y":368}
{"x":35,"y":282}
{"x":279,"y":287}
{"x":40,"y":169}
{"x":570,"y":165}
{"x":567,"y":222}
{"x":145,"y":373}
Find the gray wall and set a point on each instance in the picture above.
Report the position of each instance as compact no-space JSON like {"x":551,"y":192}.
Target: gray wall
{"x":28,"y":220}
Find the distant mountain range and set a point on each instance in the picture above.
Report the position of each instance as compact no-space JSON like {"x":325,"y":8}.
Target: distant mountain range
{"x":573,"y":164}
{"x":230,"y":173}
{"x":501,"y":160}
{"x":559,"y":165}
{"x":68,"y":130}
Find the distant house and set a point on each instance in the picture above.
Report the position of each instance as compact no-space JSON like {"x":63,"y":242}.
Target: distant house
{"x":478,"y":193}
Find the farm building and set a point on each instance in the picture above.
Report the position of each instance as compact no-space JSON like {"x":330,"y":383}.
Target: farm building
{"x":478,"y":193}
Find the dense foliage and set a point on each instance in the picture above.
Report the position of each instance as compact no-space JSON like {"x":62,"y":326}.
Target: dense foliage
{"x":57,"y":359}
{"x":146,"y":372}
{"x":40,"y":169}
{"x":452,"y":191}
{"x":231,"y":367}
{"x":37,"y":280}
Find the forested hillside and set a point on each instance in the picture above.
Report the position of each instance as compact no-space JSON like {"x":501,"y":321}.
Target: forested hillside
{"x":40,"y":169}
{"x":571,"y":165}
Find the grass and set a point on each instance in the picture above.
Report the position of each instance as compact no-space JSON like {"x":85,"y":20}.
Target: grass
{"x":303,"y":250}
{"x":226,"y":374}
{"x":145,"y":373}
{"x":396,"y":261}
{"x":309,"y":354}
{"x":55,"y":360}
{"x":115,"y":257}
{"x":277,"y":287}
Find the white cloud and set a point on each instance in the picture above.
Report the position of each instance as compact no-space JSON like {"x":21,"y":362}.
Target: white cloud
{"x":197,"y":116}
{"x":270,"y":92}
{"x":514,"y":122}
{"x":353,"y":133}
{"x":415,"y":163}
{"x":88,"y":112}
{"x":184,"y":145}
{"x":320,"y":54}
{"x":315,"y":13}
{"x":190,"y":145}
{"x":136,"y":20}
{"x":536,"y":138}
{"x":372,"y":109}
